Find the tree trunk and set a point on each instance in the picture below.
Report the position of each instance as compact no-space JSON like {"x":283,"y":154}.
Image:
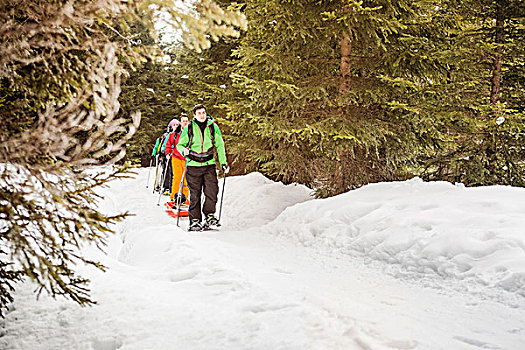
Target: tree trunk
{"x":346,"y":50}
{"x":496,"y":67}
{"x":339,"y":183}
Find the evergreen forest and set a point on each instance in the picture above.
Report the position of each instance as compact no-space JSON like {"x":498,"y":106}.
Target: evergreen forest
{"x":333,"y":94}
{"x":338,"y":94}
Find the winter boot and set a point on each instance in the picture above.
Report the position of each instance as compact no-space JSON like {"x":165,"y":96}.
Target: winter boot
{"x":177,"y":199}
{"x":211,"y":221}
{"x":195,"y":225}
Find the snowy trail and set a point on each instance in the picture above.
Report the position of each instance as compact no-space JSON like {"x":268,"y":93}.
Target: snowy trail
{"x":243,"y":288}
{"x":372,"y":310}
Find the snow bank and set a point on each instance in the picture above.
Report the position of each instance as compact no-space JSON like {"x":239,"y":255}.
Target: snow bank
{"x":166,"y":288}
{"x":424,"y":226}
{"x":250,"y":201}
{"x":253,"y":200}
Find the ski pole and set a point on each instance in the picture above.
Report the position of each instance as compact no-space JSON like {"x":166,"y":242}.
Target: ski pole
{"x":181,"y":185}
{"x":149,"y":171}
{"x":165,"y":171}
{"x":222,"y":195}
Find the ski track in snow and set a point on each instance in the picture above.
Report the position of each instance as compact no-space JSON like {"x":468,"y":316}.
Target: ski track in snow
{"x":289,"y":272}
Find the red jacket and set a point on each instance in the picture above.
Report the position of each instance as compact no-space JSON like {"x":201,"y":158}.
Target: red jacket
{"x":170,"y":146}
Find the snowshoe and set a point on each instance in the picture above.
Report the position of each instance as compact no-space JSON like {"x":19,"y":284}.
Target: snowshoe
{"x":182,"y":198}
{"x":195,"y":225}
{"x":174,"y":212}
{"x":174,"y":205}
{"x":211,"y":222}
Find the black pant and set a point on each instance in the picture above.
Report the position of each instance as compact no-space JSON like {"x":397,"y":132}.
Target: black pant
{"x":168,"y":178}
{"x":202,"y":179}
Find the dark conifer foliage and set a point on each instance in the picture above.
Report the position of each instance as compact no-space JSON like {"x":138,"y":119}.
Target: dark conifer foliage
{"x":326,"y":87}
{"x":337,"y":94}
{"x":484,"y":96}
{"x":182,"y":76}
{"x":206,"y":78}
{"x":60,"y":85}
{"x":151,"y":89}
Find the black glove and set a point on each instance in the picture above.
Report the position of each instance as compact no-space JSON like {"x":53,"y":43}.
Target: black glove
{"x":225,"y":168}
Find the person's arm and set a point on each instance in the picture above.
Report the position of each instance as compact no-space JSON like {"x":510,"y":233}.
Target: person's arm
{"x":156,"y":147}
{"x":219,"y":144}
{"x":169,"y":145}
{"x":184,"y":139}
{"x":163,"y":148}
{"x":175,"y":151}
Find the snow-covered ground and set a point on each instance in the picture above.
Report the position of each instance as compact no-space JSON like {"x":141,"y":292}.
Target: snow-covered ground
{"x":404,"y":265}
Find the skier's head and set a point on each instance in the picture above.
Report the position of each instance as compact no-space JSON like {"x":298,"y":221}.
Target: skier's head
{"x":199,"y":112}
{"x":184,"y":120}
{"x":173,"y":123}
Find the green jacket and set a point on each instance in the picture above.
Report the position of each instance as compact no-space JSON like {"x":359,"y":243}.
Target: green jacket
{"x":202,"y":143}
{"x":156,"y":147}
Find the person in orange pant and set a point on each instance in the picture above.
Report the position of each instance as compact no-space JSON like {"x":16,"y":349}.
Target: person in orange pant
{"x":177,"y":161}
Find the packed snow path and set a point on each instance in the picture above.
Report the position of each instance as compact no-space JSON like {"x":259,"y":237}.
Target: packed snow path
{"x":371,"y":269}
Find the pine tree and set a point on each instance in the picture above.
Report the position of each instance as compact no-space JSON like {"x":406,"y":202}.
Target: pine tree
{"x":204,"y":77}
{"x":152,"y":90}
{"x":485,"y":95}
{"x":327,"y":90}
{"x":61,"y":64}
{"x":186,"y":73}
{"x":60,"y":87}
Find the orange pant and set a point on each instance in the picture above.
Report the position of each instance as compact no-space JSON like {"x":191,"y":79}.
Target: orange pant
{"x":178,"y":168}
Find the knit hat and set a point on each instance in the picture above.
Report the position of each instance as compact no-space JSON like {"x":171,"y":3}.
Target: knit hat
{"x":174,"y":123}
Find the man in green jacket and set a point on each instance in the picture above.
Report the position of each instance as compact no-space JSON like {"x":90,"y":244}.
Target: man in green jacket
{"x":196,"y":143}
